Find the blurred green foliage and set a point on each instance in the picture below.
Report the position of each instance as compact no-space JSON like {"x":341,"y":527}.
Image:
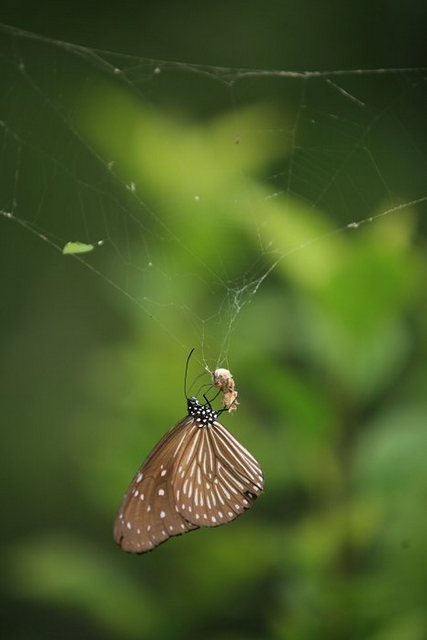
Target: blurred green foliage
{"x":325,"y":332}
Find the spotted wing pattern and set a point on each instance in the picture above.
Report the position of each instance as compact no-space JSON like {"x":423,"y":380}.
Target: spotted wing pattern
{"x":197,"y":475}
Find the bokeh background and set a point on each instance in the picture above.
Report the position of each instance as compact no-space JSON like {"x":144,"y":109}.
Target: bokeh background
{"x":328,"y":349}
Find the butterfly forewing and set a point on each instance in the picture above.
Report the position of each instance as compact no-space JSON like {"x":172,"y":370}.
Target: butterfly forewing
{"x":216,"y":477}
{"x":148,"y":515}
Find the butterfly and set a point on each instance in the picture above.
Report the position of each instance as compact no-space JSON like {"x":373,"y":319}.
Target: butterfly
{"x":198,"y":475}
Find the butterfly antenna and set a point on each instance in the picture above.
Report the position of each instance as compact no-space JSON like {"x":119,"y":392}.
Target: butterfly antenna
{"x":186,"y":372}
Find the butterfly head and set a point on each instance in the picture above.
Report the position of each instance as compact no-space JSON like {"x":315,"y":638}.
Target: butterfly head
{"x":203,"y":414}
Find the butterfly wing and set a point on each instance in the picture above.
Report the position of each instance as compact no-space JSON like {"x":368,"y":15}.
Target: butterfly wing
{"x":148,"y":515}
{"x":197,"y":475}
{"x":216,"y":478}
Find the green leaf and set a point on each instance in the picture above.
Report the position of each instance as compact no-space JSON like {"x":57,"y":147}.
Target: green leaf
{"x":77,"y":247}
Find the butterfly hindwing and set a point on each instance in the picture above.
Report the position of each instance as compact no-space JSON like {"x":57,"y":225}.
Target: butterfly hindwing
{"x":216,"y":477}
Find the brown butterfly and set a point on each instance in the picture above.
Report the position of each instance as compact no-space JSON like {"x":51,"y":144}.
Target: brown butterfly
{"x":198,"y":475}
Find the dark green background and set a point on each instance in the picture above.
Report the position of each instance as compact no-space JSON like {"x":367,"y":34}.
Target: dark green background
{"x":329,"y":356}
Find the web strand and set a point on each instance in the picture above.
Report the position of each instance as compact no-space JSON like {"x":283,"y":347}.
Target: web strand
{"x":189,"y":216}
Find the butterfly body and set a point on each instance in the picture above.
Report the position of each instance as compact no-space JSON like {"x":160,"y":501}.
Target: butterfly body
{"x":198,"y":475}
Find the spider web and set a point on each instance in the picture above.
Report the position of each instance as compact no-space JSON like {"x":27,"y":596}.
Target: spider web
{"x":190,"y":184}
